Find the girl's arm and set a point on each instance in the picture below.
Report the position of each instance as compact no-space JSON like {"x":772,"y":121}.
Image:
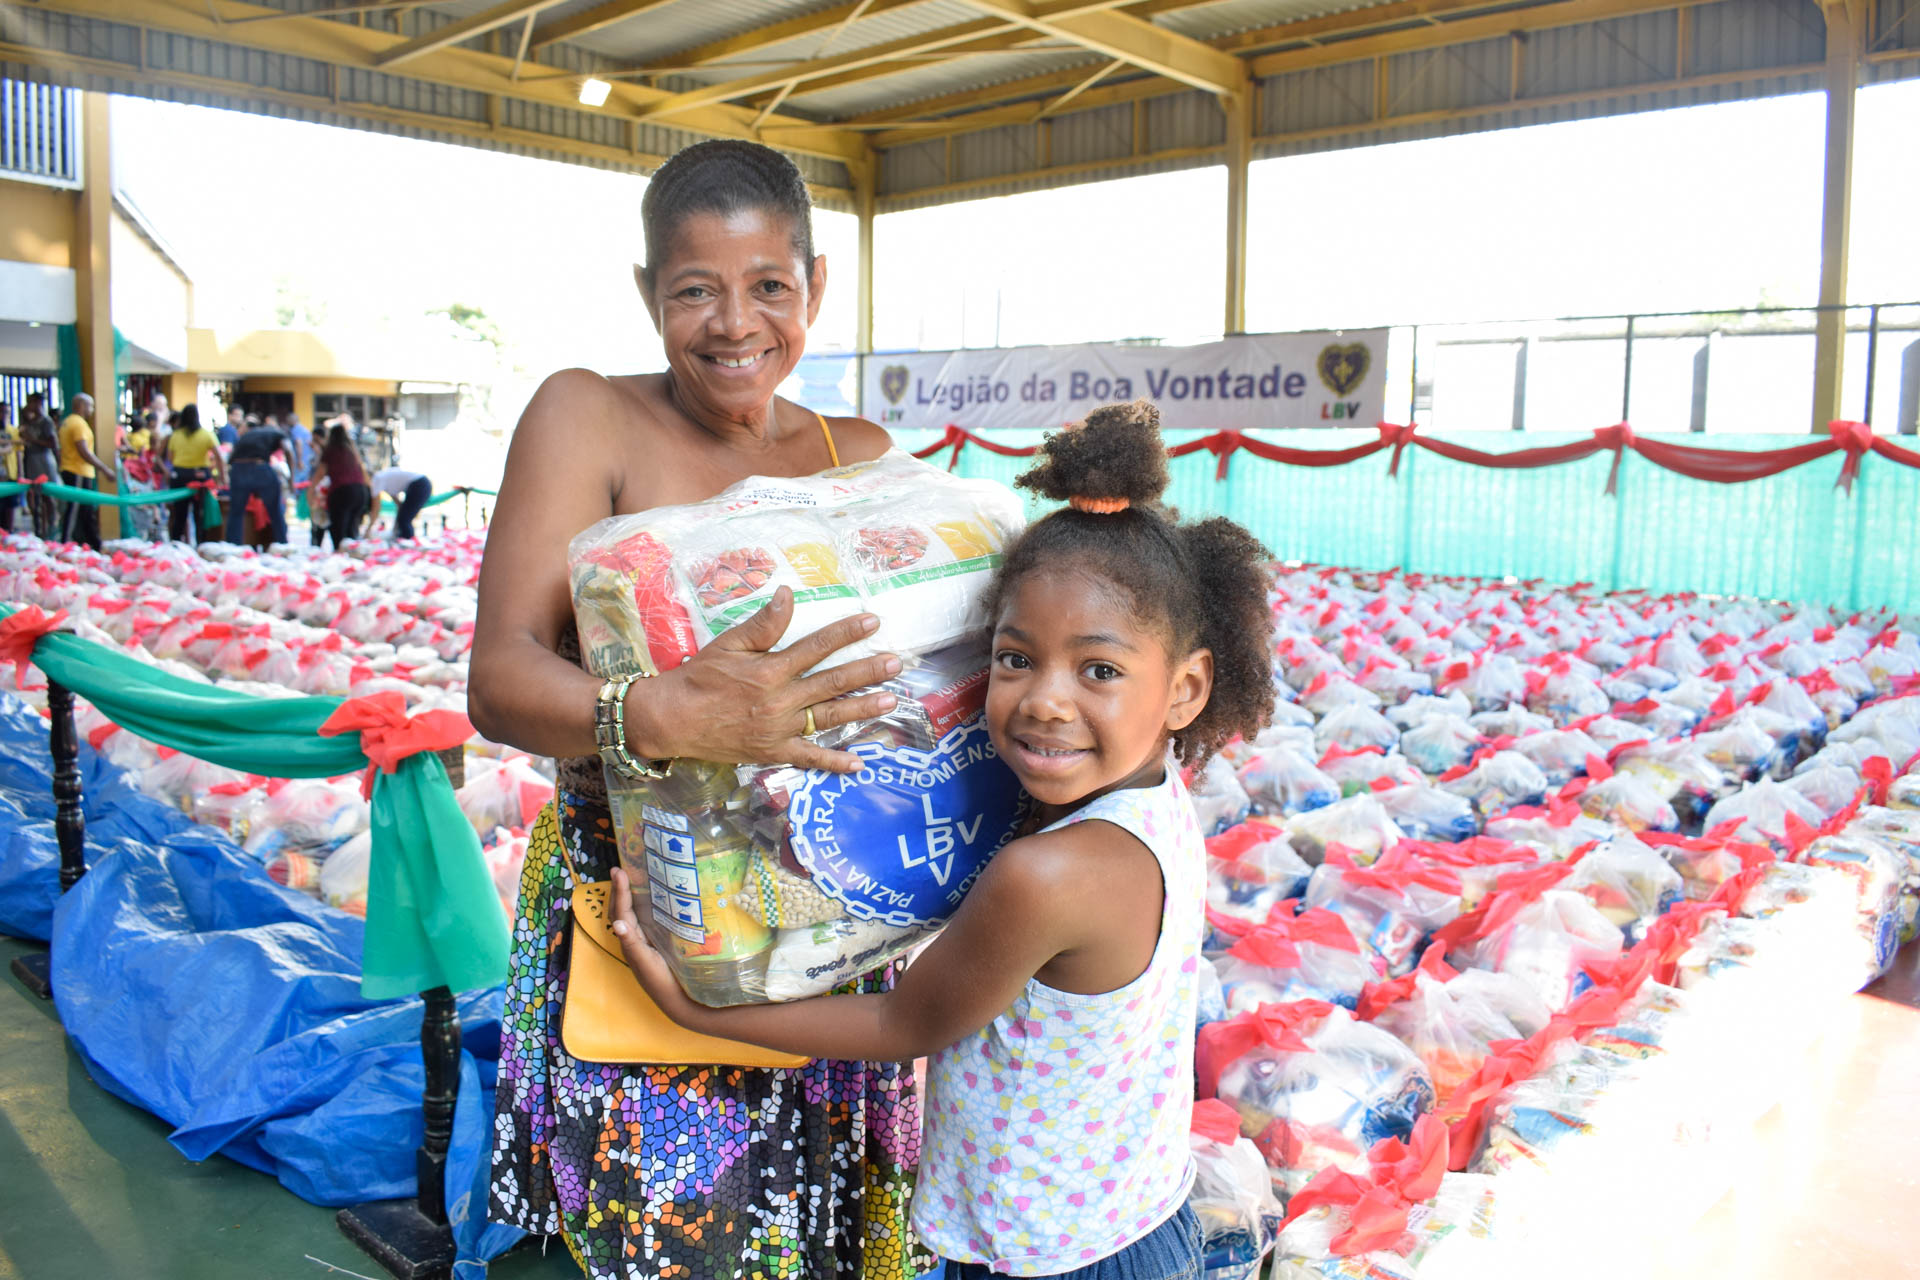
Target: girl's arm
{"x":1039,"y":898}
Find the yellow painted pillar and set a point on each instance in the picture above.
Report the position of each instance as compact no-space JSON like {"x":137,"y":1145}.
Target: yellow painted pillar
{"x":93,"y":276}
{"x":1239,"y":108}
{"x":865,"y":178}
{"x":1845,"y":35}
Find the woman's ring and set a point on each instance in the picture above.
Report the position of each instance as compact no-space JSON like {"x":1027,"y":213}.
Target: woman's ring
{"x":809,"y":731}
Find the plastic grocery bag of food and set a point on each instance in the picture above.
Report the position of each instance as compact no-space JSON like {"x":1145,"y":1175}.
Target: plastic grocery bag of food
{"x":1279,"y":780}
{"x":1311,"y":956}
{"x":1219,"y":801}
{"x":1251,"y":869}
{"x":1314,"y":1088}
{"x":1358,"y":822}
{"x":1629,"y":882}
{"x":1232,"y":1194}
{"x":1547,"y":942}
{"x":894,"y":537}
{"x":1390,"y":906}
{"x":774,"y":883}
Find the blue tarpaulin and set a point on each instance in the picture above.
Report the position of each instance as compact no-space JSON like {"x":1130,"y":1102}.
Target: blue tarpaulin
{"x":197,"y":988}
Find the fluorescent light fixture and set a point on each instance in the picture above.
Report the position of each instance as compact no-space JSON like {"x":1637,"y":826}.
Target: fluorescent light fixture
{"x":594,"y":91}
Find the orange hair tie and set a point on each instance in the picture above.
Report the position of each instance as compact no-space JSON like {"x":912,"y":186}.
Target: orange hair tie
{"x":1098,"y":506}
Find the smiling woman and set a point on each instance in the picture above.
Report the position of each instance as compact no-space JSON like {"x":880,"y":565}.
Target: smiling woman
{"x":683,"y":1171}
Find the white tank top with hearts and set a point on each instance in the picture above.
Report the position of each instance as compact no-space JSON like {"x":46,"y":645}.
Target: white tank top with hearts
{"x":1057,"y":1135}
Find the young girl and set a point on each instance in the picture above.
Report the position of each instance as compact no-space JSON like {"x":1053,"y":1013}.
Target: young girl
{"x":1057,"y":1006}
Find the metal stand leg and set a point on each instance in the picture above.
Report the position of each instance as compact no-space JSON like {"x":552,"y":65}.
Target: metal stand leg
{"x":69,"y":825}
{"x":411,"y":1238}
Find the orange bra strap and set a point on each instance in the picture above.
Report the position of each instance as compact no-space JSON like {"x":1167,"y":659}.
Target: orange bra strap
{"x":827,"y":431}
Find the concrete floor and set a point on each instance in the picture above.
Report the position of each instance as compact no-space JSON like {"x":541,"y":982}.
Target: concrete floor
{"x":89,"y":1186}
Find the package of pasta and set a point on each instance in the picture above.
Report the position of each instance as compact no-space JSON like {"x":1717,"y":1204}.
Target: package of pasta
{"x":1314,"y":1088}
{"x":1232,"y":1195}
{"x":773,"y":883}
{"x":895,"y":537}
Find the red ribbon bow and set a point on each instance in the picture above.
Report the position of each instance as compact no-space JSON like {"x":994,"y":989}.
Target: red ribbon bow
{"x":389,"y":735}
{"x":1402,"y":1175}
{"x":1856,"y":438}
{"x":20,"y":631}
{"x":1276,"y":1026}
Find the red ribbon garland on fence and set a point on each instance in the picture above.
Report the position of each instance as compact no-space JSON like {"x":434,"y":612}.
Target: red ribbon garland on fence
{"x":1719,"y":466}
{"x":389,"y":735}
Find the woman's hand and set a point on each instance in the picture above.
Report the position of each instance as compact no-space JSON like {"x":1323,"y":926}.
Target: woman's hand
{"x":647,"y":963}
{"x":739,"y":702}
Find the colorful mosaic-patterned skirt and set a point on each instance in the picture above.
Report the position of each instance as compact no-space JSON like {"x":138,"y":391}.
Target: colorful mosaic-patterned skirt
{"x":688,"y":1173}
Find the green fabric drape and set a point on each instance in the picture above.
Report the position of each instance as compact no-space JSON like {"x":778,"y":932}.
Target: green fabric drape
{"x":210,"y":503}
{"x":433,"y":918}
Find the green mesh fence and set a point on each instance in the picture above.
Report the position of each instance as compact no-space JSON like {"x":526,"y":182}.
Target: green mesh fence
{"x":1793,"y":536}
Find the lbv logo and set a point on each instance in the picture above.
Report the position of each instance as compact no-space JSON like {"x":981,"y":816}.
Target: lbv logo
{"x":941,"y":842}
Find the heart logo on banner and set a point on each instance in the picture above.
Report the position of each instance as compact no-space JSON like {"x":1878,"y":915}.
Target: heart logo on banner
{"x":1342,"y":368}
{"x":893,"y":382}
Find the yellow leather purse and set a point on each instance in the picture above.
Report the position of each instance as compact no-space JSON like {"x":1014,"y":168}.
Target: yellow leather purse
{"x":609,"y":1017}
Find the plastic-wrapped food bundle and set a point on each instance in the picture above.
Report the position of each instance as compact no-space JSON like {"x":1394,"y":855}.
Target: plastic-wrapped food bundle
{"x":1219,"y":801}
{"x":177,"y":779}
{"x":1624,"y":800}
{"x":1493,"y":685}
{"x":1390,"y":906}
{"x":1368,"y":769}
{"x":1314,"y":1088}
{"x":1706,"y":862}
{"x":1558,"y":753}
{"x":1547,"y":942}
{"x":1479,"y":861}
{"x":1420,"y":706}
{"x":1761,"y":811}
{"x":1876,"y":873}
{"x":341,"y":881}
{"x":1330,"y":691}
{"x":1280,"y":780}
{"x":895,"y":537}
{"x":232,"y":807}
{"x":1497,"y":780}
{"x":1251,"y":869}
{"x":315,"y":811}
{"x":1629,"y":882}
{"x":1566,"y":697}
{"x":1830,"y":787}
{"x":767,"y":884}
{"x":1440,"y":1233}
{"x":1210,"y":1001}
{"x":509,"y":793}
{"x":1355,"y":726}
{"x":1450,"y":1024}
{"x":1440,"y":742}
{"x":1428,"y":813}
{"x":1679,"y":772}
{"x":1358,"y":823}
{"x":1232,"y":1195}
{"x":1311,"y":956}
{"x":1557,"y":831}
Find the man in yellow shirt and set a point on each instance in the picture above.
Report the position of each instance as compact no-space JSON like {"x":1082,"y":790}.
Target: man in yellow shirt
{"x":80,"y":469}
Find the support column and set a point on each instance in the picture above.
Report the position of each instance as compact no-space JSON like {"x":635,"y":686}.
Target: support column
{"x":865,"y":179}
{"x":1239,"y":108}
{"x":1845,"y":28}
{"x":93,"y":286}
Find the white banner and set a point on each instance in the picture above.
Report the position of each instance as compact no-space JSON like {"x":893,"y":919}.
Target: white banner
{"x":1322,"y":379}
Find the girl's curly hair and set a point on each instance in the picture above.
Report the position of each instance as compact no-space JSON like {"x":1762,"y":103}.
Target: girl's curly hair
{"x":1202,"y":584}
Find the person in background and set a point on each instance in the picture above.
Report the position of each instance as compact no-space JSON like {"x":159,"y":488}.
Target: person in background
{"x":39,"y":460}
{"x":409,"y":491}
{"x":253,"y":477}
{"x":80,"y":468}
{"x":9,"y":465}
{"x":139,"y":473}
{"x":236,"y":422}
{"x":345,"y":474}
{"x":159,"y":415}
{"x":193,"y":457}
{"x":302,"y":441}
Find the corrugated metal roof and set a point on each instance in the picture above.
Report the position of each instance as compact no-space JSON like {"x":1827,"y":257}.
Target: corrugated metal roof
{"x":934,"y":80}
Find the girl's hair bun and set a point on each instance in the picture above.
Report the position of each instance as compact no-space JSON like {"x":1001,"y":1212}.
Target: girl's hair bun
{"x":1113,"y":460}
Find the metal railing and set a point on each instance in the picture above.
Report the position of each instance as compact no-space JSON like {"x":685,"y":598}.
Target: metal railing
{"x":1742,"y":370}
{"x":40,"y":133}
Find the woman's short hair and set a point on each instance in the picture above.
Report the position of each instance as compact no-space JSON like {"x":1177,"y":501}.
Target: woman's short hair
{"x":723,"y":176}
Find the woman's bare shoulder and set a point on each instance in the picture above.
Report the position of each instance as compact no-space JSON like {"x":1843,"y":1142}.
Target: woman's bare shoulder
{"x":572,"y":399}
{"x":858,"y":440}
